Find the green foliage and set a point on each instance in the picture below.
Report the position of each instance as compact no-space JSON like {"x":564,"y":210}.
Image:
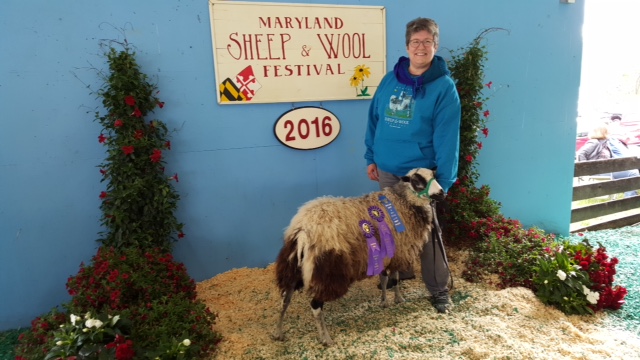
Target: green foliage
{"x":562,"y":285}
{"x":35,"y":343}
{"x":469,"y":202}
{"x":504,"y":248}
{"x":467,"y":69}
{"x":118,"y":279}
{"x":99,"y":337}
{"x":139,"y":202}
{"x":161,"y":325}
{"x":578,"y":279}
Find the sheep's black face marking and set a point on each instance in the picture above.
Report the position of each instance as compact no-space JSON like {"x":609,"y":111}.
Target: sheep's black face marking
{"x":418,"y":182}
{"x":405,"y":179}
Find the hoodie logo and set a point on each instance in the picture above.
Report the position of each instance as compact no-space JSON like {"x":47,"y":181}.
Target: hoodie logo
{"x":399,"y":109}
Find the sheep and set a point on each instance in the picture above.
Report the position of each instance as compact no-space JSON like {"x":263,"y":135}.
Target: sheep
{"x":325,"y":250}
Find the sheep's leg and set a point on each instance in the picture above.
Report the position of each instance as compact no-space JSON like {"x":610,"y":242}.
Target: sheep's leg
{"x":286,"y":300}
{"x":323,"y":333}
{"x":384,"y":279}
{"x":396,"y":290}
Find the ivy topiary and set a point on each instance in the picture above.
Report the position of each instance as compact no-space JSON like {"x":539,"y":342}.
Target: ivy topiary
{"x":139,"y":202}
{"x":468,"y":201}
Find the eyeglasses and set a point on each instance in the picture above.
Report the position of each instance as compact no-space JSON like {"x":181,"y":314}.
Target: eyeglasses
{"x":415,"y":43}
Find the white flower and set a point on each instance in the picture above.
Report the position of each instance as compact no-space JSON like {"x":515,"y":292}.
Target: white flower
{"x":573,"y":273}
{"x":561,"y":275}
{"x":74,"y":318}
{"x":85,"y":330}
{"x":546,"y":281}
{"x":59,"y":342}
{"x":593,"y":297}
{"x":186,"y":342}
{"x":87,"y":315}
{"x":115,"y":319}
{"x":93,"y":323}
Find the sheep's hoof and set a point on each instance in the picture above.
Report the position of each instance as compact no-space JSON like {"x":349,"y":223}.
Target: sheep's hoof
{"x":327,"y":342}
{"x":277,"y":337}
{"x":384,"y":303}
{"x":399,"y":299}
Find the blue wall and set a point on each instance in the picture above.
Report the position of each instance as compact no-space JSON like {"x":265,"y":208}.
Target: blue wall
{"x":239,"y":186}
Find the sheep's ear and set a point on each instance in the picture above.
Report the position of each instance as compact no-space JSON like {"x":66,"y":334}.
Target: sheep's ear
{"x":405,"y":179}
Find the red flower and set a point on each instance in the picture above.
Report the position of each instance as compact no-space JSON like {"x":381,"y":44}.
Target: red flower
{"x":180,"y":235}
{"x":156,"y":156}
{"x":477,"y":104}
{"x":130,"y":100}
{"x":102,"y":139}
{"x":485,"y":131}
{"x":479,"y":145}
{"x":103,"y":171}
{"x":168,"y":145}
{"x":136,"y":112}
{"x":486,"y":113}
{"x":175,"y":177}
{"x":160,"y":104}
{"x":489,"y":84}
{"x":469,"y":158}
{"x":103,"y":194}
{"x":128,"y":150}
{"x":125,"y":351}
{"x":118,"y":123}
{"x":139,"y":134}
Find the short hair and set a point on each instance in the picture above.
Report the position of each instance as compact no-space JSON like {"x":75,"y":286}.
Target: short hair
{"x":600,"y":132}
{"x":421,"y":24}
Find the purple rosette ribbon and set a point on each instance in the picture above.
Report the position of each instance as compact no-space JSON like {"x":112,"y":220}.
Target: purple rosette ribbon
{"x":387,"y":241}
{"x":375,"y":264}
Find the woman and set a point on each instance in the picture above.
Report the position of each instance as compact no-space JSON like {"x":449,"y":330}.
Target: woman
{"x":600,"y":147}
{"x":414,"y":121}
{"x":596,"y":148}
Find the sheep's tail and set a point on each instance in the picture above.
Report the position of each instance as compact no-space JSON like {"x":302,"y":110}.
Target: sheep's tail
{"x":288,"y":271}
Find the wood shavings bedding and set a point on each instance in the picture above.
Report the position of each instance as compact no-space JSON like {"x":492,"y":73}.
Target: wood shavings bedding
{"x":485,"y":323}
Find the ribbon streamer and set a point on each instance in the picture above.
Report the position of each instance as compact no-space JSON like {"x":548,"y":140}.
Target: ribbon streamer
{"x":375,"y":264}
{"x":393,"y":214}
{"x":387,"y":243}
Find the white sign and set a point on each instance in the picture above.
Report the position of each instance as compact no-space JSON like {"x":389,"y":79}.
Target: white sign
{"x":307,"y":128}
{"x":278,"y":52}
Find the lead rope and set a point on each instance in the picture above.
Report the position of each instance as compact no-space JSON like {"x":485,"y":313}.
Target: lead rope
{"x":438,"y":239}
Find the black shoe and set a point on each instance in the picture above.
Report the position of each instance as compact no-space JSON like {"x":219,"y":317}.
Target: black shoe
{"x":441,"y":302}
{"x":390,"y":284}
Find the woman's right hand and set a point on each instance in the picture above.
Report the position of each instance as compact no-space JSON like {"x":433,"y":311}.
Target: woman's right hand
{"x":372,"y":172}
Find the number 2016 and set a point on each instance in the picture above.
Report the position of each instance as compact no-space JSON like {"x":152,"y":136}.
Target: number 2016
{"x":305,"y":128}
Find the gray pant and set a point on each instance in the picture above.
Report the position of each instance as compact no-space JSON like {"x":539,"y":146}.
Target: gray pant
{"x":435,"y":273}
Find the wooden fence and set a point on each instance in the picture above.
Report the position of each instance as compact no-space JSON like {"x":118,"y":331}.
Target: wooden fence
{"x":584,"y":189}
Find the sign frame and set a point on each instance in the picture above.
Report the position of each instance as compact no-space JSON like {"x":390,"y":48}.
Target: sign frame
{"x":294,"y":52}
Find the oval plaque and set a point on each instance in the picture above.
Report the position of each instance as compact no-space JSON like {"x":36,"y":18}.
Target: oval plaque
{"x":307,"y":128}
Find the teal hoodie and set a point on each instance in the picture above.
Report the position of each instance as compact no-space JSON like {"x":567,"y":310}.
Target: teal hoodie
{"x":414,"y":121}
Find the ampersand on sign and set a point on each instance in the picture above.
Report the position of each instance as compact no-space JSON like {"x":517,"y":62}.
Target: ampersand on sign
{"x":305,"y":51}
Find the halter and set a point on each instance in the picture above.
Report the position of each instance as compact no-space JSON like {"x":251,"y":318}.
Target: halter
{"x":425,"y":192}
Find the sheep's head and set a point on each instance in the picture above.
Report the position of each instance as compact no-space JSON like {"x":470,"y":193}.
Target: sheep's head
{"x":423,"y":183}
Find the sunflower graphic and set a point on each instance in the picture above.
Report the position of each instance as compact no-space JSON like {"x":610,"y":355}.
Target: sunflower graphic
{"x":360,"y":72}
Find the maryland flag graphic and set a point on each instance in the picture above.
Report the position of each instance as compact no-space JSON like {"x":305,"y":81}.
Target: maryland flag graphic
{"x":243,"y":88}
